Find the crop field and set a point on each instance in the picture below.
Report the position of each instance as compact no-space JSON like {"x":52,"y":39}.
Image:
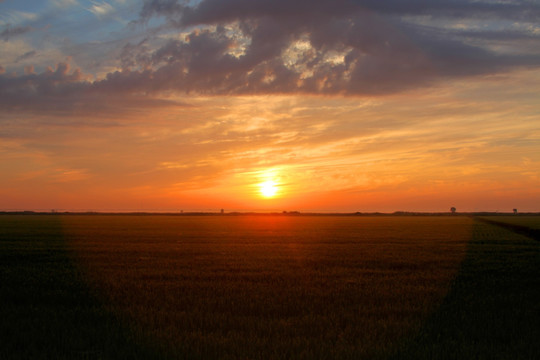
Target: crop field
{"x":266,"y":287}
{"x":532,"y":222}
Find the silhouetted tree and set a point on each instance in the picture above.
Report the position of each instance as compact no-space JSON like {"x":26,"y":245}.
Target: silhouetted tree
{"x":453,"y":210}
{"x":515,"y":211}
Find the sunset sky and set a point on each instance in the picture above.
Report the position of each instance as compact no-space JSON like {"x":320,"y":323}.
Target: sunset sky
{"x":257,"y":105}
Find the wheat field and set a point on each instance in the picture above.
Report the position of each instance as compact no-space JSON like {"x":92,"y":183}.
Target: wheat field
{"x":264,"y":287}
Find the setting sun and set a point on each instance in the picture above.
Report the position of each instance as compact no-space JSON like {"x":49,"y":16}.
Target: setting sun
{"x":268,"y":189}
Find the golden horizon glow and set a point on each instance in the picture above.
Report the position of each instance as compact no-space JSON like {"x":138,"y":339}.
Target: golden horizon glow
{"x":177,"y":118}
{"x":332,"y":162}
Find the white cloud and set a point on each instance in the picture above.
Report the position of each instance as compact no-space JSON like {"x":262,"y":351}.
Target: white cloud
{"x":11,"y":50}
{"x":15,"y":17}
{"x":100,"y":8}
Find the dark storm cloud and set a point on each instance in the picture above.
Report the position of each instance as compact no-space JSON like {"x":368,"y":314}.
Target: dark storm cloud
{"x":170,"y":9}
{"x":381,"y":50}
{"x":217,"y":11}
{"x":298,"y":11}
{"x":62,"y":91}
{"x":456,"y":8}
{"x":347,"y":47}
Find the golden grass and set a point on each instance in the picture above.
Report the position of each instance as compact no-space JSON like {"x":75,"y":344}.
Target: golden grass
{"x":270,"y":286}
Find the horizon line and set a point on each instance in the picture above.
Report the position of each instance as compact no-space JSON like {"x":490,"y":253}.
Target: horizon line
{"x":222,"y":212}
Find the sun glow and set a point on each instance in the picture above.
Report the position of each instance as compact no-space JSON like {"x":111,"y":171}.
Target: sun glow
{"x":270,"y":183}
{"x":268,"y":189}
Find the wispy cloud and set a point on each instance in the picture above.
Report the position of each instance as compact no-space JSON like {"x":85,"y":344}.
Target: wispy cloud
{"x":100,"y":9}
{"x":16,"y":17}
{"x":64,"y":3}
{"x":26,"y":55}
{"x":10,"y":32}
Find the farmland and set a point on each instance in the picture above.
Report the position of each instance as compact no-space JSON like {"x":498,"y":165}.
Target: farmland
{"x":532,"y":222}
{"x":259,"y":287}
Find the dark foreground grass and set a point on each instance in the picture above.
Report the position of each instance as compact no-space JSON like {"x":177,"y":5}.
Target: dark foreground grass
{"x":46,"y":309}
{"x":114,"y":287}
{"x":529,"y":221}
{"x":524,"y":225}
{"x":493,"y":309}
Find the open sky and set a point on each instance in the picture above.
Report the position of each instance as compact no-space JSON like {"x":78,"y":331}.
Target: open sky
{"x":319,"y":105}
